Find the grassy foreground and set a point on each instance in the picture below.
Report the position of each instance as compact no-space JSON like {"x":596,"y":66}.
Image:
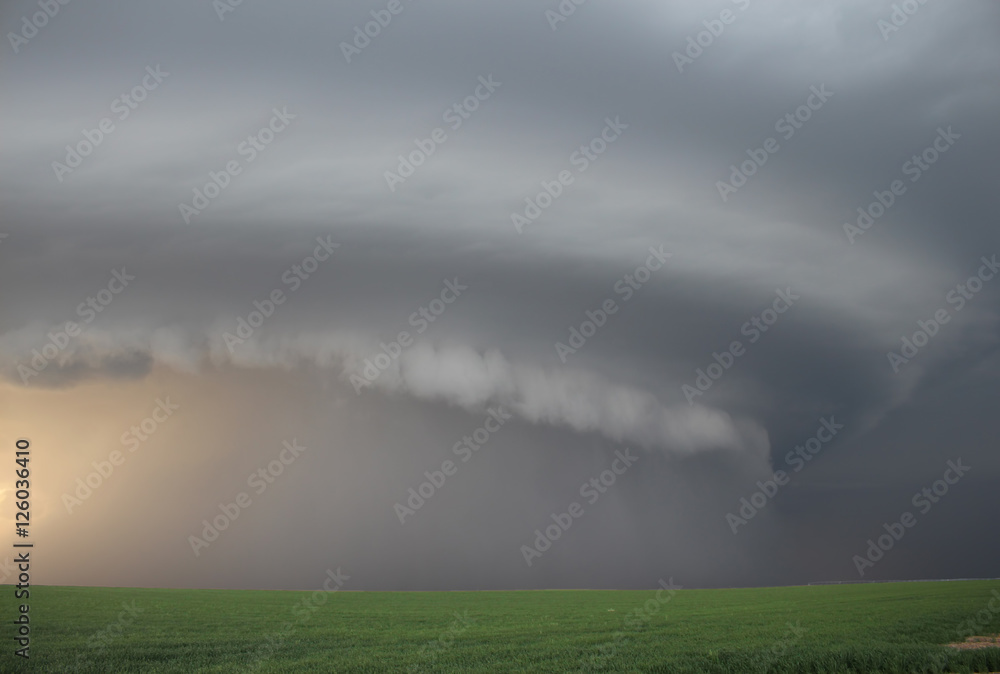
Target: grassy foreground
{"x":831,"y":629}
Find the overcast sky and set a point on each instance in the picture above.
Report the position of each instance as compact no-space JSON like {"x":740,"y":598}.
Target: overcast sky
{"x":693,"y":235}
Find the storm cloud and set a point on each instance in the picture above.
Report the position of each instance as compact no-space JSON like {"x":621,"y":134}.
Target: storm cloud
{"x":690,"y":232}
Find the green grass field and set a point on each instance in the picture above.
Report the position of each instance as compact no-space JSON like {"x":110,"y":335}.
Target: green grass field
{"x":847,"y":628}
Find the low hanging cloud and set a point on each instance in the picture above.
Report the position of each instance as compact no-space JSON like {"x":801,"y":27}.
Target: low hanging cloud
{"x":455,"y":375}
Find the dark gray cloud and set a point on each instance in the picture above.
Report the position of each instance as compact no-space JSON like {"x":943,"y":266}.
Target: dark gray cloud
{"x":329,"y":130}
